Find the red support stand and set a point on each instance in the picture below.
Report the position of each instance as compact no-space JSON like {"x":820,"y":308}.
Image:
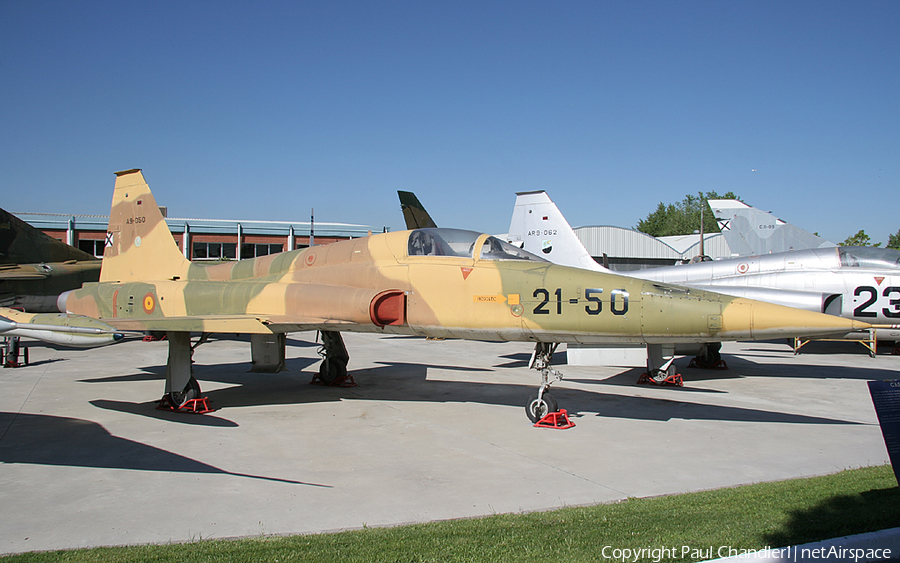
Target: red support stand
{"x":343,"y":381}
{"x":558,"y":420}
{"x":673,"y":380}
{"x":11,"y":359}
{"x":192,"y":406}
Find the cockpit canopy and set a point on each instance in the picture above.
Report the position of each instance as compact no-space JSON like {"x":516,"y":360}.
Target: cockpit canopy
{"x":869,"y":257}
{"x":464,"y":244}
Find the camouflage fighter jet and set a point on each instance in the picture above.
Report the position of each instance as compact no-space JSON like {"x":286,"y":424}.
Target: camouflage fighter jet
{"x":35,"y":268}
{"x":426,"y":282}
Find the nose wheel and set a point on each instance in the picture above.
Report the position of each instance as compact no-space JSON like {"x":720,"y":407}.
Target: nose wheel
{"x":541,"y":402}
{"x":540,"y":405}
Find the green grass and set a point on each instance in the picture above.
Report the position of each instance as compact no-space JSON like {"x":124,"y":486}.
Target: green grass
{"x":749,"y":517}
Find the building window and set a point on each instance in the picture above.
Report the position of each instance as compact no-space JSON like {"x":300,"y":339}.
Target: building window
{"x":214,"y":251}
{"x":92,"y":247}
{"x":254,"y":250}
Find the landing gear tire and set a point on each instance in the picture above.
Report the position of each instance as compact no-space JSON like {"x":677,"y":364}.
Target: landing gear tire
{"x":331,"y":369}
{"x":537,"y":409}
{"x":190,"y":391}
{"x":710,"y":356}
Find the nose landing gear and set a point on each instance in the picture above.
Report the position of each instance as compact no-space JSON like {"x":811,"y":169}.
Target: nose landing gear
{"x":541,"y":402}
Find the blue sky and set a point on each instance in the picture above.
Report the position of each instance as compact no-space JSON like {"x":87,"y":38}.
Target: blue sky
{"x":263,"y":110}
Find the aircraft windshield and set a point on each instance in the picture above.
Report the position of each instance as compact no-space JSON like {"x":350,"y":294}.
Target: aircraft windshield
{"x":496,"y":249}
{"x":869,"y":257}
{"x":455,"y":242}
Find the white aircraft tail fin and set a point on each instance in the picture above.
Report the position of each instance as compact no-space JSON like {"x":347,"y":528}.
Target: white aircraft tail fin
{"x":539,"y":227}
{"x":750,"y":231}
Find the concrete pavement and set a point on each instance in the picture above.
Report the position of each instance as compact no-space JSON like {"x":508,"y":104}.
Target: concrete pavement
{"x":434,"y":430}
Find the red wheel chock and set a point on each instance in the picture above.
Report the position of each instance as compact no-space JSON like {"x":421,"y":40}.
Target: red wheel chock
{"x":672,"y":380}
{"x":153,"y":338}
{"x":193,"y":406}
{"x":343,"y":381}
{"x":558,"y":420}
{"x":11,"y":360}
{"x":718,"y":365}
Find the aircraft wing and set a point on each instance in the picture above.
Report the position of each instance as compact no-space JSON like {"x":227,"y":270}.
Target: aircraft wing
{"x":238,"y":324}
{"x":819,"y":302}
{"x":21,"y":273}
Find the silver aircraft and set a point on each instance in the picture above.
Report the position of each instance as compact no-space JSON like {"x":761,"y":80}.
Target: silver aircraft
{"x":860,"y":283}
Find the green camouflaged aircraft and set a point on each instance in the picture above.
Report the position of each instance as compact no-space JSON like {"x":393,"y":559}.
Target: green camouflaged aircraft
{"x":35,"y":268}
{"x":428,"y":282}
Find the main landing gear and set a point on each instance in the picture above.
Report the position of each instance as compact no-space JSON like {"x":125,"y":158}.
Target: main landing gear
{"x":11,"y":352}
{"x":660,"y":366}
{"x":541,"y":403}
{"x":182,"y":389}
{"x":710,"y":357}
{"x":333,"y":369}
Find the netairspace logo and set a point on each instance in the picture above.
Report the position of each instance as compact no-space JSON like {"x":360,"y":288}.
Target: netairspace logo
{"x":788,"y":554}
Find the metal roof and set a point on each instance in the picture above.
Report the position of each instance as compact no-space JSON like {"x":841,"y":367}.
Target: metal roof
{"x":61,"y":222}
{"x":621,"y":242}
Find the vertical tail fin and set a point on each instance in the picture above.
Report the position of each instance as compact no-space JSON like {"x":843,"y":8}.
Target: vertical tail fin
{"x":749,"y":231}
{"x":414,"y":212}
{"x":539,"y":227}
{"x":139,"y":245}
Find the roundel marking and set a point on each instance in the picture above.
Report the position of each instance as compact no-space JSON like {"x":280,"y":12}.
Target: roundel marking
{"x":743,"y":268}
{"x":310,"y":258}
{"x":149,"y":303}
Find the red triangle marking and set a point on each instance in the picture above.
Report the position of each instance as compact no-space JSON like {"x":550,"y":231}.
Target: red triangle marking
{"x":879,"y":279}
{"x":465,"y":272}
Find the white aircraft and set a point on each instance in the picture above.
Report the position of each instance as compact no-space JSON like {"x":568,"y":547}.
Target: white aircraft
{"x":861,"y":283}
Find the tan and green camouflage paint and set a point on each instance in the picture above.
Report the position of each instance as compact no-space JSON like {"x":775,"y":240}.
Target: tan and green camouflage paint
{"x":147,"y":284}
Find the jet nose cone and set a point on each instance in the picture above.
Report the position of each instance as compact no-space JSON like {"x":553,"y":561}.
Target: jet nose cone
{"x":745,"y":318}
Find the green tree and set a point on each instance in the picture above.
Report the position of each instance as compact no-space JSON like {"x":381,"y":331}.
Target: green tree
{"x":683,"y":218}
{"x":859,"y":239}
{"x":894,"y":241}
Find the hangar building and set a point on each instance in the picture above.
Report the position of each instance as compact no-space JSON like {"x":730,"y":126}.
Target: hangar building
{"x":202,"y":239}
{"x":229,"y":239}
{"x":627,"y":249}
